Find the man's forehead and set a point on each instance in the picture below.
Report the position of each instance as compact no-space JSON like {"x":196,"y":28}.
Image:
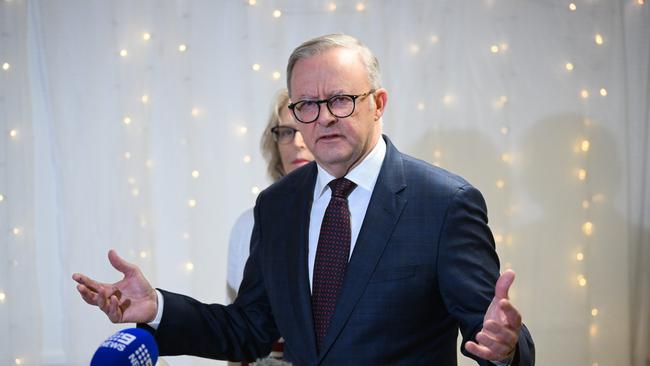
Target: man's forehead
{"x":332,"y":72}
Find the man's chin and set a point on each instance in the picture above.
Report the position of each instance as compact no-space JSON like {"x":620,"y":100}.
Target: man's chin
{"x":337,"y":165}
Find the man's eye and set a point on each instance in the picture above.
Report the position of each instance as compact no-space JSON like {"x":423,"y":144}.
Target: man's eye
{"x":339,"y":100}
{"x":306,"y":105}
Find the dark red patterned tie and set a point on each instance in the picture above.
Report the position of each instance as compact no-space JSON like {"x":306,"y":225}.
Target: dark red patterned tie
{"x":332,"y":256}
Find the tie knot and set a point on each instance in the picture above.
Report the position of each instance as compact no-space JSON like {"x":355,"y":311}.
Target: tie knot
{"x":341,"y":187}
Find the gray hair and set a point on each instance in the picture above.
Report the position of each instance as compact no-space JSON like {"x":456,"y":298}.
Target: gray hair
{"x":321,"y":44}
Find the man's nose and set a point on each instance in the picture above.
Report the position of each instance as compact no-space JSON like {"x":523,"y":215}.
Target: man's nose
{"x":325,"y":117}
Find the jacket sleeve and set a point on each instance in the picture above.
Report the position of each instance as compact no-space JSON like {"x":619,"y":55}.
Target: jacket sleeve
{"x":468,"y":268}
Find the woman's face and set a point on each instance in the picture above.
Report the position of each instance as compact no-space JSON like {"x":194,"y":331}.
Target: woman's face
{"x":295,"y":153}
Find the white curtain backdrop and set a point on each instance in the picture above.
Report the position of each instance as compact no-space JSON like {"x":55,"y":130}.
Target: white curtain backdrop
{"x":135,"y":125}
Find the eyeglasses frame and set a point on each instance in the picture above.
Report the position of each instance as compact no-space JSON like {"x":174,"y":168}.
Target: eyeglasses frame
{"x":354,"y":97}
{"x":276,"y":135}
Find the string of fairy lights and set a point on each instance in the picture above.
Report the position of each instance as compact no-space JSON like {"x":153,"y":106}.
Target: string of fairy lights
{"x":582,"y":148}
{"x":136,"y":118}
{"x":6,"y":197}
{"x":141,"y":118}
{"x":196,"y":114}
{"x":11,"y":136}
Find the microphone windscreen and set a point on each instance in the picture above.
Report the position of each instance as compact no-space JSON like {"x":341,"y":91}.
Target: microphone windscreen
{"x":128,"y":347}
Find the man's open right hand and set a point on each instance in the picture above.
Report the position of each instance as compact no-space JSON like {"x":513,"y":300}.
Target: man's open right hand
{"x":130,"y":300}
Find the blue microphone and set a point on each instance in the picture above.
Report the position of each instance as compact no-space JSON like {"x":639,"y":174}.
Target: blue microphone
{"x":128,"y":347}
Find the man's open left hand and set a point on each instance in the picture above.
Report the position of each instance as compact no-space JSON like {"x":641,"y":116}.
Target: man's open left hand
{"x":501,"y":325}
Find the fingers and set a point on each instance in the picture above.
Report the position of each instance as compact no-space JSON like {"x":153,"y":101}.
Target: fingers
{"x":499,"y":350}
{"x":89,"y":296}
{"x":109,"y":303}
{"x":105,"y":297}
{"x":497,"y":332}
{"x":503,"y":284}
{"x":489,"y":348}
{"x":114,"y":311}
{"x":103,"y":300}
{"x":133,"y":295}
{"x":479,"y":350}
{"x":512,"y":315}
{"x":94,"y":296}
{"x":500,"y":332}
{"x":505,"y":326}
{"x":120,"y":264}
{"x":86,"y":281}
{"x":89,"y":289}
{"x":497,"y":339}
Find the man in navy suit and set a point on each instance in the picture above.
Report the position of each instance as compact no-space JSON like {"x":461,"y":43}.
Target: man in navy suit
{"x":421,"y":262}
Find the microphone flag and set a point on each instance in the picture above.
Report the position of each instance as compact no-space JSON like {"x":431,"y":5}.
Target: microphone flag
{"x":128,"y":347}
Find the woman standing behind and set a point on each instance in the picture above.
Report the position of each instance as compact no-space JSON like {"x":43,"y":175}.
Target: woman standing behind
{"x":284,"y":150}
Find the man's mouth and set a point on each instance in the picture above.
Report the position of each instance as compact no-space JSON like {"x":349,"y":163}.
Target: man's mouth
{"x":329,"y":137}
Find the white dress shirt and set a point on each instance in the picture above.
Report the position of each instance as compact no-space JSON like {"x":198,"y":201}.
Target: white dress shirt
{"x":365,"y":176}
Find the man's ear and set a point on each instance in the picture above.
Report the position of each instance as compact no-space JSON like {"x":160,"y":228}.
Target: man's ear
{"x":381,"y":98}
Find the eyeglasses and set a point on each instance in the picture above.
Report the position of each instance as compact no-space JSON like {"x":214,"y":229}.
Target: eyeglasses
{"x":283,"y":134}
{"x":341,"y":106}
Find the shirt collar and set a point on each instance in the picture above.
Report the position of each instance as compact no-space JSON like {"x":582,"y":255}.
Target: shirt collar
{"x":363,"y":175}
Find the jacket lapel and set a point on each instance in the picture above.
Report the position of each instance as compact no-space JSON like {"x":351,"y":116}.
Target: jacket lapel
{"x":383,"y":212}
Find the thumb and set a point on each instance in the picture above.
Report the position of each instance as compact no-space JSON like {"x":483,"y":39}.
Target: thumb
{"x":120,"y":264}
{"x":503,"y":284}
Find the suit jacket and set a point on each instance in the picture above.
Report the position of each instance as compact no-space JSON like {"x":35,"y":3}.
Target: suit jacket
{"x":424,"y":266}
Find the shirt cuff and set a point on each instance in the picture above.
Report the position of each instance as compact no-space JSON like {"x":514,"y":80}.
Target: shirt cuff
{"x":161,"y":302}
{"x":507,"y":361}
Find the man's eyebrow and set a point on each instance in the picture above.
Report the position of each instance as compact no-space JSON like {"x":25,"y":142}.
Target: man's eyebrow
{"x":328,"y":95}
{"x":337,"y":92}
